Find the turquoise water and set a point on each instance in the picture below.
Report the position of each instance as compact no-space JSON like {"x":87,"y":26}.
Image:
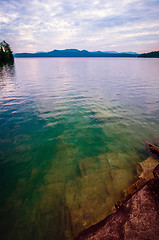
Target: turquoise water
{"x":72,"y":131}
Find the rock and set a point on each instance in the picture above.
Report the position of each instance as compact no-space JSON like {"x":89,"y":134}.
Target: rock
{"x":90,"y":196}
{"x":156,"y":171}
{"x":145,"y":172}
{"x":136,"y":215}
{"x":136,"y":219}
{"x":145,"y":168}
{"x":128,"y":192}
{"x":153,"y":149}
{"x":133,"y":188}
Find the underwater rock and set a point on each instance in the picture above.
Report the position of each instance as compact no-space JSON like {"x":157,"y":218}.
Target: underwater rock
{"x":90,"y":197}
{"x":145,"y":172}
{"x":83,"y":201}
{"x":145,"y":168}
{"x":128,"y":192}
{"x":136,"y":216}
{"x":136,"y":219}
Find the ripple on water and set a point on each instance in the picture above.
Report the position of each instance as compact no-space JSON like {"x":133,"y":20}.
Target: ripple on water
{"x":72,"y":131}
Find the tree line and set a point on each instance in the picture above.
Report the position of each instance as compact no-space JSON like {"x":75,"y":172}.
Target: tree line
{"x":150,"y":55}
{"x":6,"y":54}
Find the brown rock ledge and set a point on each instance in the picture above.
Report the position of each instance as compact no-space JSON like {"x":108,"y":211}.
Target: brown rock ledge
{"x":137,"y":214}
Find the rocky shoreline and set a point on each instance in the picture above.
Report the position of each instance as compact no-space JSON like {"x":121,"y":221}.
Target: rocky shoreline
{"x":136,"y":215}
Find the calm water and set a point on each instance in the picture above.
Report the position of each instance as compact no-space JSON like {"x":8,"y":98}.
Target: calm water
{"x":72,"y":131}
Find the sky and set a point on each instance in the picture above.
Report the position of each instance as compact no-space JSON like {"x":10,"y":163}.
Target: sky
{"x":104,"y":25}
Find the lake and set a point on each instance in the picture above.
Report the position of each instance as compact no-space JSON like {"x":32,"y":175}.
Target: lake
{"x":72,"y":131}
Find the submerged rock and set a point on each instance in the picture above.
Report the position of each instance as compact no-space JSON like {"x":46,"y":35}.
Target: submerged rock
{"x":145,"y":168}
{"x":137,"y":217}
{"x":145,"y":172}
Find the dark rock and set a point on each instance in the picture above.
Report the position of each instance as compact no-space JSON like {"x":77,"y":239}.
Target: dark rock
{"x":156,"y":171}
{"x":153,"y":149}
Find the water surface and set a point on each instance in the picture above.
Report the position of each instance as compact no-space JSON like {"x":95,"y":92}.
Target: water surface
{"x":72,"y":131}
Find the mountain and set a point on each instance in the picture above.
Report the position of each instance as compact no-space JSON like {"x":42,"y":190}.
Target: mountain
{"x":110,"y":52}
{"x":150,"y":55}
{"x":75,"y":53}
{"x":131,"y":53}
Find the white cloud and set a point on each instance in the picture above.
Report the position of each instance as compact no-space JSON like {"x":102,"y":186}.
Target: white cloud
{"x":94,"y":24}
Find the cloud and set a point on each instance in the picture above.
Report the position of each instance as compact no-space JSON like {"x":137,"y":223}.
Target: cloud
{"x":35,"y":25}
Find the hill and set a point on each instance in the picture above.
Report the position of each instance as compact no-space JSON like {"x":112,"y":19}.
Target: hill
{"x":150,"y":55}
{"x":75,"y":53}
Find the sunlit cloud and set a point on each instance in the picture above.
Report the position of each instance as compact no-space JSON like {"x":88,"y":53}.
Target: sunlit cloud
{"x":44,"y":25}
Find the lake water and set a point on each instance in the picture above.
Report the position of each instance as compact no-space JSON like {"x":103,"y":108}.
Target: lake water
{"x":71,"y":133}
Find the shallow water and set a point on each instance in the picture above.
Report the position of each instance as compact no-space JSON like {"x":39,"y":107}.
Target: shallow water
{"x":72,"y":131}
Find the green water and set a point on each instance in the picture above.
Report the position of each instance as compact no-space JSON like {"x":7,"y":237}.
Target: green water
{"x":72,"y":131}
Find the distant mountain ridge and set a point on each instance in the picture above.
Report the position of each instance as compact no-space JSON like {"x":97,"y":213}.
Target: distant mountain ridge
{"x":76,"y":53}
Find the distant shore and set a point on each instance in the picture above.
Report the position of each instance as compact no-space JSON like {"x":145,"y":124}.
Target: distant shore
{"x":150,"y":55}
{"x":76,"y":53}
